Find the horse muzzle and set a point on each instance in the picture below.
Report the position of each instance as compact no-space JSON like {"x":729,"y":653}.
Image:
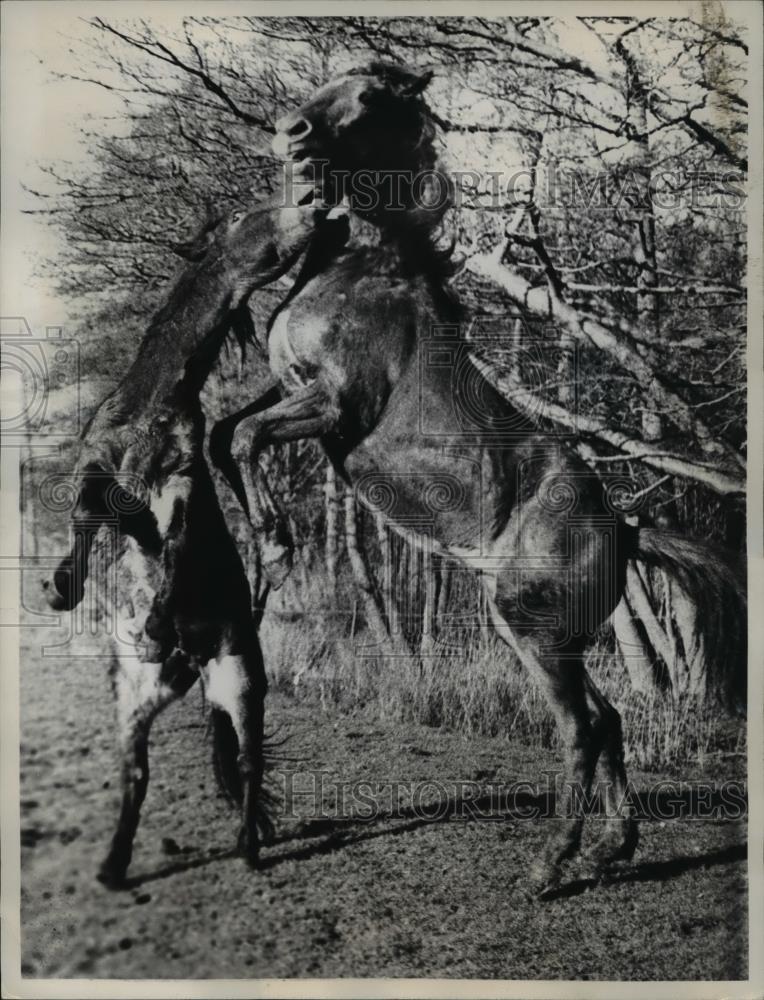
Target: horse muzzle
{"x":62,"y":591}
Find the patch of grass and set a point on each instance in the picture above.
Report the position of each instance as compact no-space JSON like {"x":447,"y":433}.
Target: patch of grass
{"x":474,"y":685}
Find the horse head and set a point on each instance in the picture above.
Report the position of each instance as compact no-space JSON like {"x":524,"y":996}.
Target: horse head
{"x":248,"y":247}
{"x":371,"y":136}
{"x":135,"y":476}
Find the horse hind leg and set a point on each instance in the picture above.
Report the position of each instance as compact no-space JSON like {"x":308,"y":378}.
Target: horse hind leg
{"x":561,"y":676}
{"x":142,"y":691}
{"x":621,"y":835}
{"x":235,"y":687}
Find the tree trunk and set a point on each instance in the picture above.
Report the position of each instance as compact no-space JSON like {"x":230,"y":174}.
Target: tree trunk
{"x":372,"y":605}
{"x":659,"y":651}
{"x":388,"y":575}
{"x":645,"y":249}
{"x":332,"y":522}
{"x":437,"y":587}
{"x":689,"y":668}
{"x":429,"y":604}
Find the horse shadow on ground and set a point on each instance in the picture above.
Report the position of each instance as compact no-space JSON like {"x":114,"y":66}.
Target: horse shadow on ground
{"x":326,"y":835}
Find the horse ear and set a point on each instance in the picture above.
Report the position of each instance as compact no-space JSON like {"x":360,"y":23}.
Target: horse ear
{"x":197,"y":246}
{"x":416,"y":83}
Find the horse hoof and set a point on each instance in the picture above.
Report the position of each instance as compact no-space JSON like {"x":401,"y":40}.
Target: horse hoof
{"x":111,"y":877}
{"x":251,"y":860}
{"x":249,"y":851}
{"x":544,"y":881}
{"x":549,"y":889}
{"x":612,"y":850}
{"x":590,"y":872}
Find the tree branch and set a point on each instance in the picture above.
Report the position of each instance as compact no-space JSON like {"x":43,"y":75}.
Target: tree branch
{"x":166,"y":55}
{"x":511,"y":387}
{"x":616,"y":340}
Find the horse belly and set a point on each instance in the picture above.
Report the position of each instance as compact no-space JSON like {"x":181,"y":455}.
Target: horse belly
{"x":281,"y":356}
{"x":306,"y":336}
{"x":424,"y":489}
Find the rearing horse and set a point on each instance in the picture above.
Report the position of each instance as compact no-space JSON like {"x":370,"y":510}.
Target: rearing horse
{"x":371,"y":356}
{"x":182,"y":607}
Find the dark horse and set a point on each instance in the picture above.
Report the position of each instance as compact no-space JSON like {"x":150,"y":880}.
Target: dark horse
{"x":370,"y":355}
{"x":145,"y":497}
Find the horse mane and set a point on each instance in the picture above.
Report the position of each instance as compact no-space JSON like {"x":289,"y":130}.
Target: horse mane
{"x":418,"y":229}
{"x":387,"y":71}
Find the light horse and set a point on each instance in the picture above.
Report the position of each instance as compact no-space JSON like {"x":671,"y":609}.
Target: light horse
{"x":371,"y":356}
{"x":182,"y":607}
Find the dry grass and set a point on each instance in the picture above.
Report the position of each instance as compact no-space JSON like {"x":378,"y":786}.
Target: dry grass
{"x":475,"y":686}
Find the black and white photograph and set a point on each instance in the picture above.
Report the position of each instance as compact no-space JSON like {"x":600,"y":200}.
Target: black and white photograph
{"x":379,"y":530}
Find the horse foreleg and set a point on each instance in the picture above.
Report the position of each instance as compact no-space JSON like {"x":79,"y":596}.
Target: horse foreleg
{"x":142,"y":690}
{"x":310,"y":412}
{"x":276,"y":545}
{"x":221,"y":439}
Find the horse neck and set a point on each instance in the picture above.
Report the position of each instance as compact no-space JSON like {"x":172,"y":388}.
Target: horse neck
{"x":404,"y":238}
{"x":180,"y":346}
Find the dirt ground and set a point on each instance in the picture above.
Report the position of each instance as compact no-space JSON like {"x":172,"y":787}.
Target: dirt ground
{"x":398,"y":897}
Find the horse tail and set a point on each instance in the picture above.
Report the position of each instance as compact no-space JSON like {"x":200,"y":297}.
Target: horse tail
{"x":225,"y":753}
{"x":714,"y":579}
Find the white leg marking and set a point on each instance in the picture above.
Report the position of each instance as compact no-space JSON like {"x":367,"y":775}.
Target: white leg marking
{"x":140,"y":694}
{"x":226,"y":684}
